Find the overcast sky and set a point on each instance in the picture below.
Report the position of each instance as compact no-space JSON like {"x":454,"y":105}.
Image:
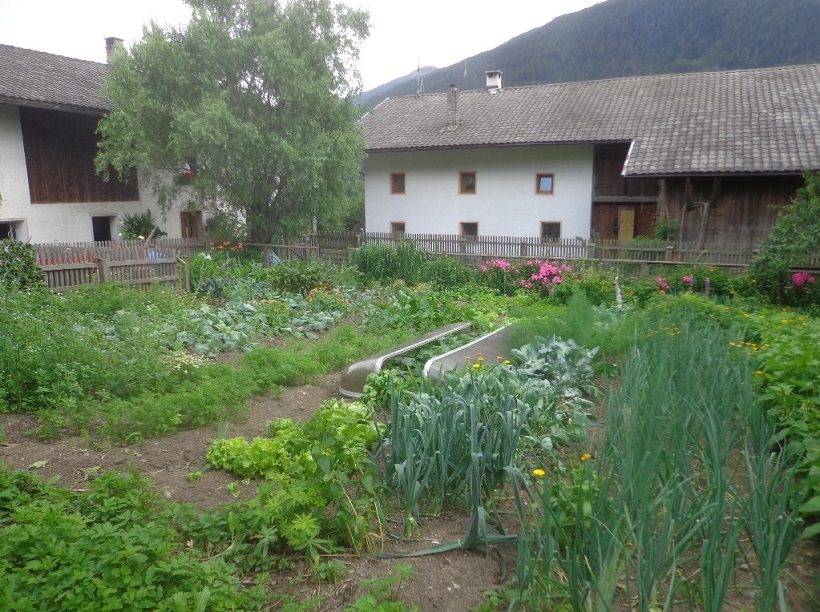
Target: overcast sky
{"x":403,"y":33}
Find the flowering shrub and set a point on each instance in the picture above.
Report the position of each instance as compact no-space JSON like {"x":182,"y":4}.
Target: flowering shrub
{"x":499,"y":274}
{"x":692,"y":279}
{"x":538,"y":274}
{"x":547,"y":277}
{"x":802,"y":279}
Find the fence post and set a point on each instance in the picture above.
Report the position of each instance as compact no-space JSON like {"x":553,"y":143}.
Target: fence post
{"x":522,"y":250}
{"x":591,"y":250}
{"x":644,"y":269}
{"x":670,"y":253}
{"x":186,"y":273}
{"x":103,"y":273}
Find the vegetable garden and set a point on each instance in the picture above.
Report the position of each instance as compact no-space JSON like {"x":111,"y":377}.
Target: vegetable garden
{"x":646,"y":446}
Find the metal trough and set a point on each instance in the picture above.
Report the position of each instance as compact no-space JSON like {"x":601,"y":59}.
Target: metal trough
{"x":354,"y":377}
{"x":498,"y":342}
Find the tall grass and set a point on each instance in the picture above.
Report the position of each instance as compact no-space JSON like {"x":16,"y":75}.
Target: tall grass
{"x":382,"y":262}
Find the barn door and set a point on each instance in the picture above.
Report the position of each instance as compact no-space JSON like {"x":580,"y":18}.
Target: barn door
{"x":626,"y":224}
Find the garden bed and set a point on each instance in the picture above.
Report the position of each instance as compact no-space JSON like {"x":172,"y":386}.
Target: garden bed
{"x":610,"y":438}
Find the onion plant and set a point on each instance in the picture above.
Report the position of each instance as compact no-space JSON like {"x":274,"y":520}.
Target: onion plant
{"x":670,"y":505}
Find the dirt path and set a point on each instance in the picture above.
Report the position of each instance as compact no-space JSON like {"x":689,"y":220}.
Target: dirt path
{"x":452,"y":582}
{"x":167,"y":460}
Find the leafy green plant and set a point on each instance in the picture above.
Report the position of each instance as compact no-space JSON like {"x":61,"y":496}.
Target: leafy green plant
{"x":665,"y":229}
{"x":113,"y":547}
{"x":462,"y":439}
{"x":384,"y":593}
{"x":311,"y":467}
{"x":447,"y":273}
{"x":792,"y":242}
{"x":139,"y":226}
{"x":18,"y":269}
{"x":404,"y":261}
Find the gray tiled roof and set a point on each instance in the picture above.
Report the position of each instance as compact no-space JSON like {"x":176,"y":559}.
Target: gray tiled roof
{"x":34,"y":78}
{"x":742,"y":121}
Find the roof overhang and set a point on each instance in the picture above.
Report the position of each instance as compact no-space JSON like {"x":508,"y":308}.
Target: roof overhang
{"x":45,"y":104}
{"x":505,"y":145}
{"x":717,"y":174}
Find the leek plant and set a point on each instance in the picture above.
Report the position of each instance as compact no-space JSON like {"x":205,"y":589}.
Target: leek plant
{"x":667,"y":515}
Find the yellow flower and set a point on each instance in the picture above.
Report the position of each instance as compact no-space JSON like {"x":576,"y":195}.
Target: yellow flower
{"x":499,"y":358}
{"x":585,"y":457}
{"x":758,"y":372}
{"x":539,"y":473}
{"x":476,"y":366}
{"x":507,"y":362}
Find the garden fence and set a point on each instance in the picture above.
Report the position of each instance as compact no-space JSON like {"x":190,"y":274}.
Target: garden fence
{"x":119,"y":250}
{"x":172,"y":272}
{"x":633,"y":255}
{"x":69,"y":265}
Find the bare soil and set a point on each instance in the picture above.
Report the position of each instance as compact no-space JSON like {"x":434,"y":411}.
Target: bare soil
{"x":451,"y":581}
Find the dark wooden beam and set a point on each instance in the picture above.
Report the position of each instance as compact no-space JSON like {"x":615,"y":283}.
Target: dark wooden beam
{"x":616,"y":199}
{"x":704,"y":211}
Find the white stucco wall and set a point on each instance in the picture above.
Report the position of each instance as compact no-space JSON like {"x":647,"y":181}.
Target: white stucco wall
{"x":45,"y":223}
{"x":505,"y":202}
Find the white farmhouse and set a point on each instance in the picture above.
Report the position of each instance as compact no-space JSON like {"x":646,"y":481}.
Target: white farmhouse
{"x":49,"y":190}
{"x":711,"y":152}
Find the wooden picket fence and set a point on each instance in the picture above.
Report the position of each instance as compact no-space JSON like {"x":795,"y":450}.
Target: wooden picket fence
{"x":119,"y":250}
{"x":477,"y":250}
{"x":142,"y":273}
{"x":635,"y":255}
{"x":70,"y":265}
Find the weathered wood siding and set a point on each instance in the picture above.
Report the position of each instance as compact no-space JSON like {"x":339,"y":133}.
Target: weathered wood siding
{"x":607,"y":165}
{"x":60,"y":148}
{"x":743,"y":213}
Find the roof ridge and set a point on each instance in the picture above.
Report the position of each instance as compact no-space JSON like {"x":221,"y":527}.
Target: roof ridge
{"x":68,"y":57}
{"x":635,"y":77}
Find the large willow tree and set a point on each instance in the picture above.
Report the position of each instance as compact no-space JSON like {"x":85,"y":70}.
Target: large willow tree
{"x":247,"y":109}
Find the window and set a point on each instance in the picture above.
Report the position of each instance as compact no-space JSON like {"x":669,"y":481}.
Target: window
{"x":101,"y":228}
{"x":469,"y":231}
{"x":466,"y":182}
{"x":397,"y":183}
{"x":8,"y":230}
{"x":397,"y":228}
{"x":544,"y":184}
{"x":550,"y":231}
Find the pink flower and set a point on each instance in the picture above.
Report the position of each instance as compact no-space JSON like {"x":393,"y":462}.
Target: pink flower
{"x":801,"y":279}
{"x":688,"y":279}
{"x":557,"y":280}
{"x":661,"y":284}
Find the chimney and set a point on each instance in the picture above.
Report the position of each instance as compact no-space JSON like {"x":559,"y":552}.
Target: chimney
{"x":452,"y":107}
{"x":493,"y":80}
{"x":112,"y":44}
